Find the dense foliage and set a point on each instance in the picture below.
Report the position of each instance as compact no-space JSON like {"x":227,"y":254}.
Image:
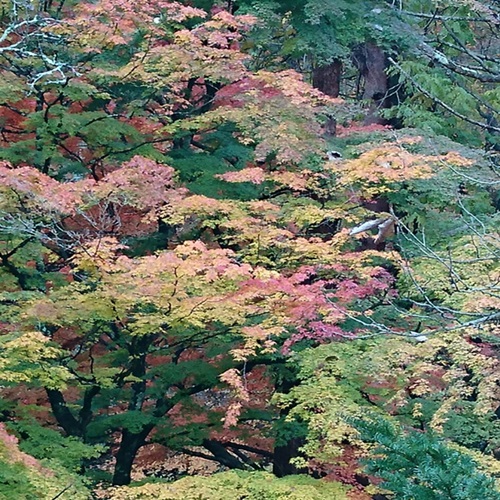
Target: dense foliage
{"x":257,"y":235}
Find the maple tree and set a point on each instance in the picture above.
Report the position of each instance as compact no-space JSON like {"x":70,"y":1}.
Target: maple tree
{"x":76,"y":225}
{"x":184,"y":260}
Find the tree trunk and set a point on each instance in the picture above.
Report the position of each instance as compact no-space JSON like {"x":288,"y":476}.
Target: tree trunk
{"x":85,"y":414}
{"x":372,"y":63}
{"x":63,"y":414}
{"x":222,"y":455}
{"x":129,"y":446}
{"x":327,"y":78}
{"x":282,"y":456}
{"x":373,"y":70}
{"x":285,"y":452}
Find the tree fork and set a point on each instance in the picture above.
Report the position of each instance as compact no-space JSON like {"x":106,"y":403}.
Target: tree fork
{"x":63,"y":415}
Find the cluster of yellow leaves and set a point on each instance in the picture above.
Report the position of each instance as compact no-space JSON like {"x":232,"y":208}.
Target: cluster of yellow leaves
{"x":310,"y":214}
{"x":467,"y":370}
{"x":265,"y":118}
{"x":464,"y":277}
{"x":202,"y":207}
{"x":447,"y":369}
{"x":171,"y":66}
{"x":273,"y":111}
{"x":267,"y":234}
{"x":256,"y":339}
{"x":233,"y":485}
{"x":278,"y":122}
{"x":322,"y":403}
{"x":249,"y":225}
{"x":190,"y":285}
{"x":293,"y":86}
{"x":170,"y":55}
{"x":380,"y":169}
{"x":195,"y":287}
{"x":97,"y":256}
{"x":271,"y":235}
{"x":296,"y":181}
{"x":28,"y":357}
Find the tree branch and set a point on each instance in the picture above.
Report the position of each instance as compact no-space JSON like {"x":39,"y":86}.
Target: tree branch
{"x":419,"y":87}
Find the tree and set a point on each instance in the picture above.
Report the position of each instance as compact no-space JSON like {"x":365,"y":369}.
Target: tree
{"x":174,"y":241}
{"x":150,"y":332}
{"x":428,"y":65}
{"x":421,"y":467}
{"x":144,"y":330}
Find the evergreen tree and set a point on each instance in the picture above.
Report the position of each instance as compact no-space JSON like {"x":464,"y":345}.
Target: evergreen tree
{"x":419,"y":466}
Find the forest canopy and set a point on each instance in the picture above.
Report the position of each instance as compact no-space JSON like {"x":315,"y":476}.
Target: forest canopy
{"x":250,"y":248}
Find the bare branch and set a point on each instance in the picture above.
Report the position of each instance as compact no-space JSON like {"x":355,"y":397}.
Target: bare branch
{"x":437,"y":56}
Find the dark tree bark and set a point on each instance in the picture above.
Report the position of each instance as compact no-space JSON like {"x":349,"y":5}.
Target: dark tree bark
{"x":372,"y":67}
{"x":129,"y":446}
{"x":283,"y":455}
{"x":85,"y":414}
{"x":327,"y":78}
{"x":63,"y":415}
{"x":72,"y":425}
{"x":222,"y":455}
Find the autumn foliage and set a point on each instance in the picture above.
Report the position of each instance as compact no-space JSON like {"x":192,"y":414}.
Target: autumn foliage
{"x":183,"y":263}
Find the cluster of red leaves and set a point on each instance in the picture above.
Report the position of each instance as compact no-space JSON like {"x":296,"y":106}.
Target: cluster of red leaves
{"x":115,"y":21}
{"x":125,"y":200}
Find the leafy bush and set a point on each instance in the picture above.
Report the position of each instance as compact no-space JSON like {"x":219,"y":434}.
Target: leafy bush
{"x":236,"y":485}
